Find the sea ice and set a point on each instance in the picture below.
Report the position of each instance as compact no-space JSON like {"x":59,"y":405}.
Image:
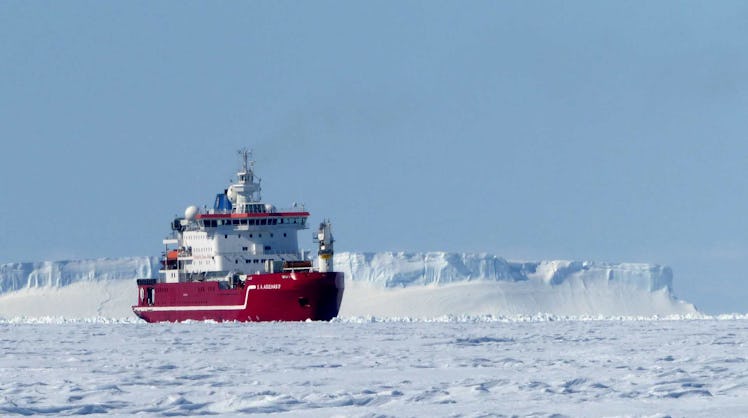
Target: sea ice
{"x":469,"y":366}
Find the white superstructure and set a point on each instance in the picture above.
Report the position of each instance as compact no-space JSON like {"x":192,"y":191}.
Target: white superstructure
{"x":240,"y":235}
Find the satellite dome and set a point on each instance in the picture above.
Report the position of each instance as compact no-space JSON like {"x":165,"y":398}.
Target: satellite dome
{"x":231,"y":194}
{"x":190,"y":212}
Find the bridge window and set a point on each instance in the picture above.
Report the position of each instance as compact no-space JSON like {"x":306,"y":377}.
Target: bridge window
{"x":256,"y":208}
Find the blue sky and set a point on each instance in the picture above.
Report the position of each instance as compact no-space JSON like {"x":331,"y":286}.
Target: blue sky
{"x":592,"y":130}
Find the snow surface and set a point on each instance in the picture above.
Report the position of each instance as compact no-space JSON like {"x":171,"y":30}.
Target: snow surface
{"x":379,"y":284}
{"x":366,"y":367}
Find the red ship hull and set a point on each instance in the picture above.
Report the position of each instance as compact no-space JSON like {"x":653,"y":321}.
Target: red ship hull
{"x":296,"y":296}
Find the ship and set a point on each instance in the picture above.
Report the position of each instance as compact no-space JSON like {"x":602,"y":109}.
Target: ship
{"x":240,"y":261}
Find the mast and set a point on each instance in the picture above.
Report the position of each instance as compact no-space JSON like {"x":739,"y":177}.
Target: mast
{"x":248,"y":164}
{"x":246,"y":189}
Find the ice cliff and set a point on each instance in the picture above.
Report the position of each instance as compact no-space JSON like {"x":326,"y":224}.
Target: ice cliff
{"x":17,"y":276}
{"x":438,"y":283}
{"x":379,"y":284}
{"x":390,"y":269}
